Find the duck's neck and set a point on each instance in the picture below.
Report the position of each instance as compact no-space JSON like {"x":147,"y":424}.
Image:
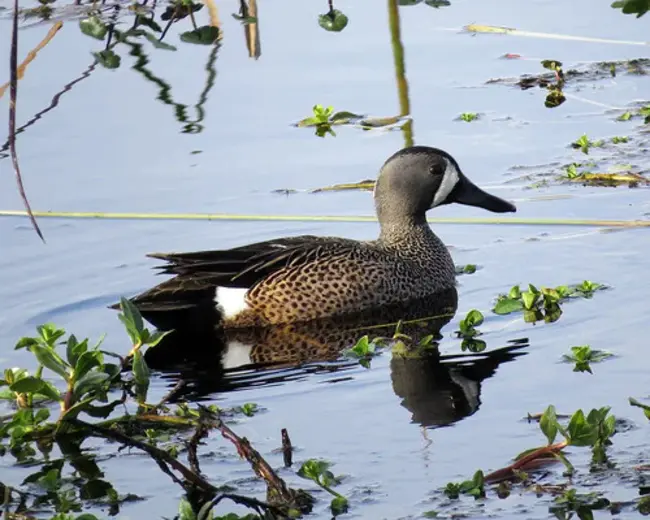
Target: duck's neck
{"x":396,"y":232}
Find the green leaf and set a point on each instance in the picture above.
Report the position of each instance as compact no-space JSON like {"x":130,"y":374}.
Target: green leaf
{"x":581,"y":433}
{"x":339,"y":505}
{"x":50,"y":391}
{"x":437,"y":3}
{"x":206,"y":35}
{"x":27,"y":385}
{"x":333,"y":21}
{"x":50,"y":359}
{"x":107,"y":59}
{"x":507,"y":306}
{"x":25,"y":343}
{"x":140,"y":369}
{"x":548,"y":424}
{"x":131,"y":318}
{"x":91,"y":382}
{"x":86,"y":362}
{"x":157,"y":337}
{"x":94,"y":27}
{"x":102,"y":412}
{"x":74,"y":349}
{"x":185,"y":511}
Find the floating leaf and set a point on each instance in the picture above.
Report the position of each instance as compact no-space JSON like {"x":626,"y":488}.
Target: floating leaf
{"x":507,"y":306}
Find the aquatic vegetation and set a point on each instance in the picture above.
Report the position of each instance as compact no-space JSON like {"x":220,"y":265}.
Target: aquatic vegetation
{"x":94,"y":388}
{"x":542,"y":304}
{"x":324,"y":118}
{"x":583,"y":356}
{"x":468,"y":324}
{"x":584,"y":144}
{"x":466,"y":269}
{"x":475,"y":487}
{"x":364,"y":350}
{"x":468,"y":117}
{"x":318,"y":471}
{"x":620,"y":139}
{"x":644,"y":407}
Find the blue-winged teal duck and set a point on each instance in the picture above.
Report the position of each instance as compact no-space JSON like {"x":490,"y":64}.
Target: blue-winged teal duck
{"x":304,"y":278}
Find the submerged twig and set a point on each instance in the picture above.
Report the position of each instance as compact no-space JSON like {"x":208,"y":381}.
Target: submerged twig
{"x":13,"y":94}
{"x":287,"y":449}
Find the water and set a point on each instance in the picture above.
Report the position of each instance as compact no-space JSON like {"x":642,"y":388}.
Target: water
{"x":111,"y":145}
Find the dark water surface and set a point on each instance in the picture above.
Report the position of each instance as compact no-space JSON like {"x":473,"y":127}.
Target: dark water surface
{"x":111,"y":145}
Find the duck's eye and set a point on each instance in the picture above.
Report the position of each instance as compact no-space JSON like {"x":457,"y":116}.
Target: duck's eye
{"x":434,"y":169}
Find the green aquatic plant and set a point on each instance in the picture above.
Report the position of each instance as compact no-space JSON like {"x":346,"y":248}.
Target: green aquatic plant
{"x":474,"y":487}
{"x":542,"y":304}
{"x":644,"y":407}
{"x":468,"y":117}
{"x":319,"y":472}
{"x":584,"y":144}
{"x":583,"y":356}
{"x":582,"y":504}
{"x":364,"y":350}
{"x":620,"y":139}
{"x":466,"y":269}
{"x":467,"y":326}
{"x":88,"y":385}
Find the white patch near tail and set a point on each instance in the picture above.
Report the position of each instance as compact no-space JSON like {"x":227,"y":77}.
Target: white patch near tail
{"x":236,"y":354}
{"x":231,"y":300}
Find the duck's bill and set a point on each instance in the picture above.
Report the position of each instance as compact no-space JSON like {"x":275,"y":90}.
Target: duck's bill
{"x":466,"y":192}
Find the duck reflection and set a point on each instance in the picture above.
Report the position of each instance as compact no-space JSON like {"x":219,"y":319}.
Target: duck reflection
{"x":437,"y":389}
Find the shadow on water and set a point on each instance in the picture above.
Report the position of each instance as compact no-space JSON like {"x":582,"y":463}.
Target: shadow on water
{"x":437,"y":389}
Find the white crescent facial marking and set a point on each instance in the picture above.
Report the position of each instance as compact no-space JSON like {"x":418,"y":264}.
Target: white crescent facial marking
{"x":449,"y":180}
{"x":236,"y":354}
{"x":230,"y":301}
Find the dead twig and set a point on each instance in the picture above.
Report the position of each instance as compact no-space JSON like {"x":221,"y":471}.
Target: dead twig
{"x":13,"y":94}
{"x":534,"y":457}
{"x":287,"y":449}
{"x":278,"y":492}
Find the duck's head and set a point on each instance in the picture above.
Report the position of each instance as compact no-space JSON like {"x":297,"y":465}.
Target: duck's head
{"x":419,"y":178}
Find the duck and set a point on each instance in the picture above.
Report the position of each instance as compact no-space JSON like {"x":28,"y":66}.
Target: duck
{"x":304,"y":278}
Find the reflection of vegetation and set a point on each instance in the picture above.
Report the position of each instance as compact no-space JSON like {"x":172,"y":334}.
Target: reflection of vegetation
{"x":400,"y":70}
{"x":333,"y":20}
{"x":637,"y":7}
{"x":164,"y":94}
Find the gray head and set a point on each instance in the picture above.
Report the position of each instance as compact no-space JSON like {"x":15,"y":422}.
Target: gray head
{"x":417,"y":179}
